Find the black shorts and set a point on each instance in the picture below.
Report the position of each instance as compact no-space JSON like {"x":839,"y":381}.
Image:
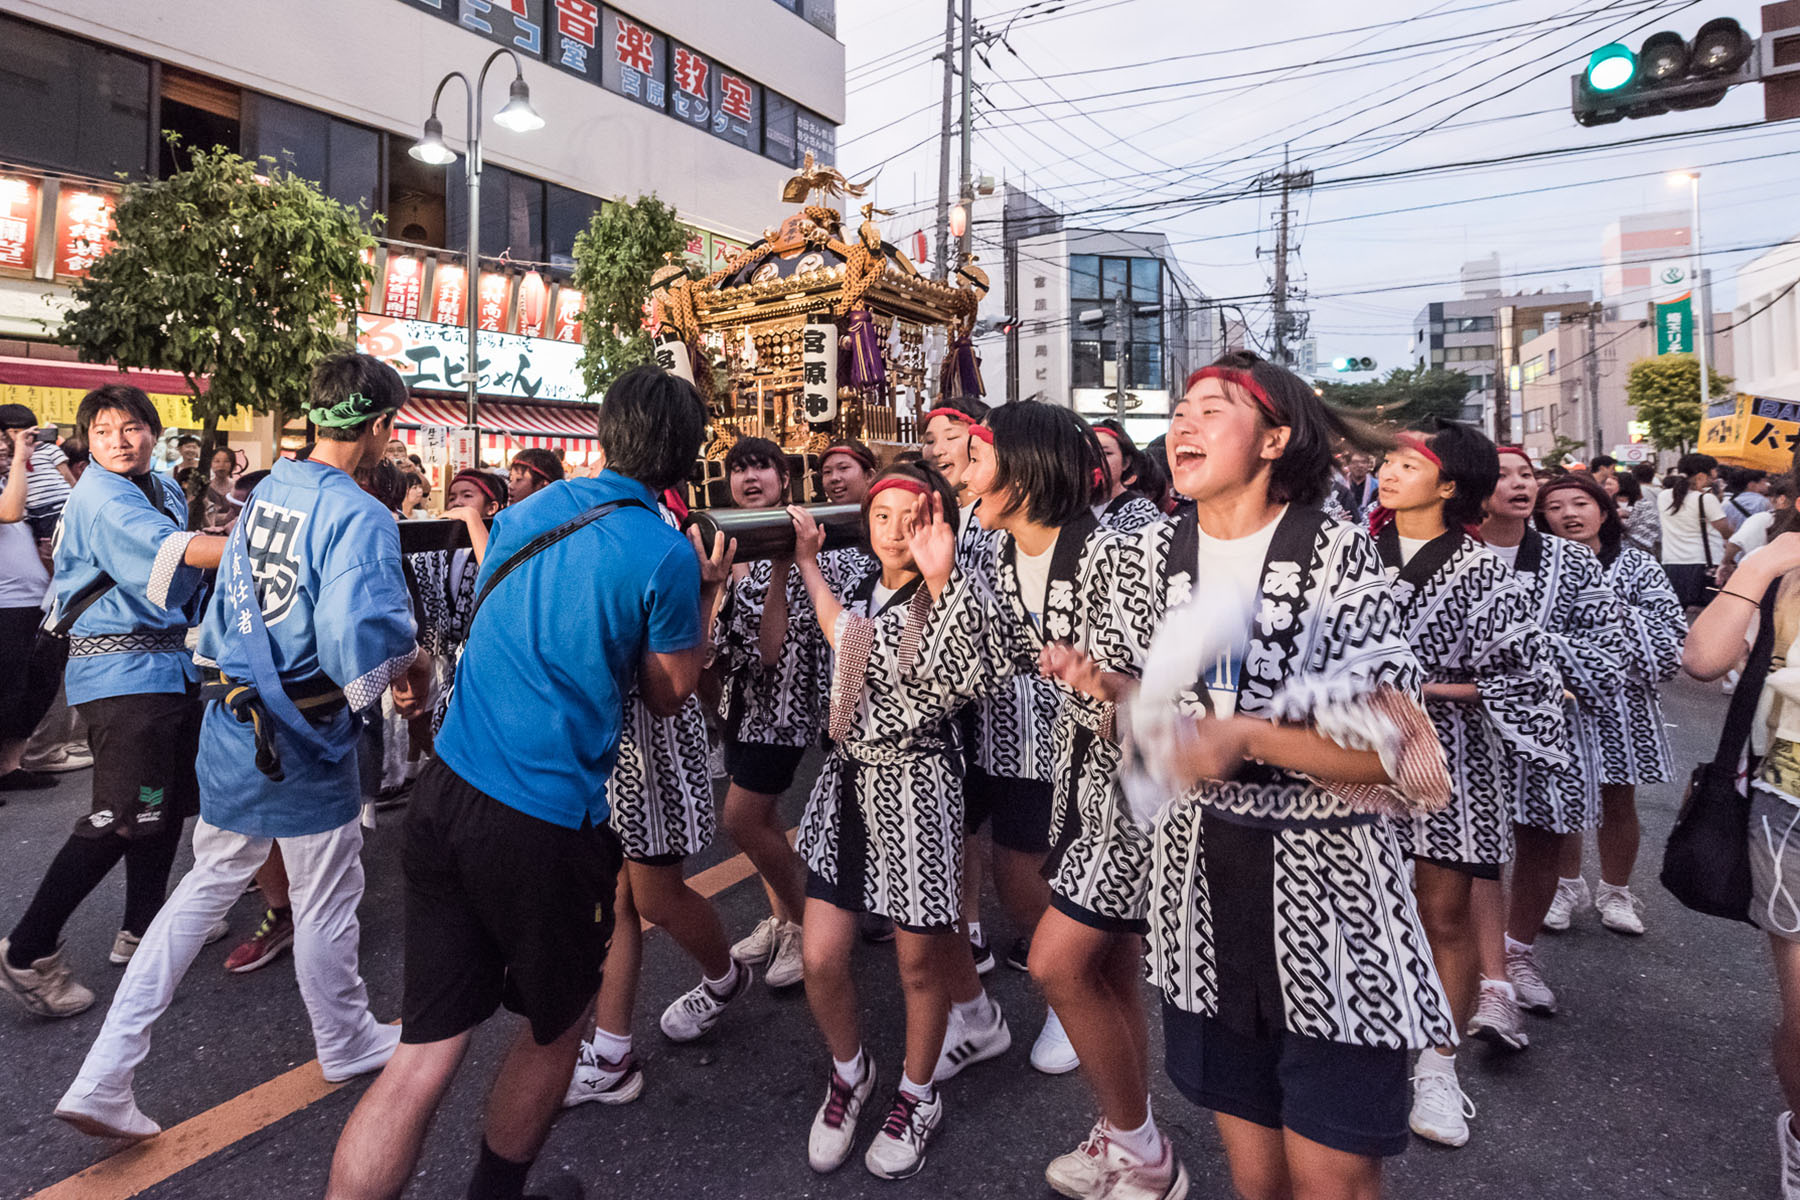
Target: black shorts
{"x":1474,"y":870}
{"x":1351,"y":1098}
{"x":28,"y":684}
{"x":762,"y":768}
{"x":1019,"y":809}
{"x":847,"y":894}
{"x":501,"y":908}
{"x":144,"y":750}
{"x":1082,"y":915}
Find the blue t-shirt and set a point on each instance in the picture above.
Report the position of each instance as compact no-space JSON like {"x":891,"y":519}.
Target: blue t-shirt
{"x":110,"y":525}
{"x":535,"y":718}
{"x":325,"y":556}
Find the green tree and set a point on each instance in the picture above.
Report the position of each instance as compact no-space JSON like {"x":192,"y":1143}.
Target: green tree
{"x":615,"y":256}
{"x":1665,"y":391}
{"x":242,"y":274}
{"x":1562,"y":449}
{"x":1407,"y":396}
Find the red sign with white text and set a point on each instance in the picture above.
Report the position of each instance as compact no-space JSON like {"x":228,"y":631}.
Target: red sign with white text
{"x":401,"y":286}
{"x":495,"y":298}
{"x":568,"y":316}
{"x":449,"y":294}
{"x":18,"y":222}
{"x":534,"y":305}
{"x":84,"y":223}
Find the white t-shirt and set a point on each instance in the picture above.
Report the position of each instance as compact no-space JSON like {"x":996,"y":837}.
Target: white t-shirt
{"x":1753,"y":534}
{"x":1681,"y":529}
{"x":1236,"y":563}
{"x":1034,"y":580}
{"x":1411,"y":546}
{"x":1508,"y":554}
{"x":880,"y":599}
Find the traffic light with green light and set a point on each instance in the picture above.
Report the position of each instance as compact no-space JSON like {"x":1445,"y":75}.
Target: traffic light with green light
{"x":1666,"y":73}
{"x":1353,"y":363}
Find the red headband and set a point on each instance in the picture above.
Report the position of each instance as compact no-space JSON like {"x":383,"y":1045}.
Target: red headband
{"x":480,"y":479}
{"x":1099,"y":429}
{"x":1417,"y":444}
{"x":1242,"y":379}
{"x":901,"y":482}
{"x":1518,"y":450}
{"x":538,"y":471}
{"x":865,"y":459}
{"x":955,"y":414}
{"x":982,"y":433}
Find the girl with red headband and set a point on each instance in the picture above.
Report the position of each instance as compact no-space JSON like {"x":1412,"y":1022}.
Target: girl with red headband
{"x":845,"y":471}
{"x":1628,"y":731}
{"x":1121,"y":505}
{"x":1283,"y":937}
{"x":533,"y":469}
{"x":1552,"y":804}
{"x":1492,"y":694}
{"x":882,"y":830}
{"x":944,"y":439}
{"x":446,"y":578}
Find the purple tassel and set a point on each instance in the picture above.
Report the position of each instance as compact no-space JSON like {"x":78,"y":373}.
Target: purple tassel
{"x":962,"y":371}
{"x":866,"y":370}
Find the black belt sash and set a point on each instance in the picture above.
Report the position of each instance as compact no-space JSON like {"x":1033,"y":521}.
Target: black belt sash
{"x":317,"y":698}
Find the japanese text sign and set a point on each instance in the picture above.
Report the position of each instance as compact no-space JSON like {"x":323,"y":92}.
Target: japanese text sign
{"x":818,"y":365}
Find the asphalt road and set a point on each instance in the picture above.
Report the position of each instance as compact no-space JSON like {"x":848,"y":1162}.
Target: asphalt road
{"x":1654,"y":1081}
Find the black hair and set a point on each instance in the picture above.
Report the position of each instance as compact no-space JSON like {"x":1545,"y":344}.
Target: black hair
{"x":1470,"y":461}
{"x":420,"y":463}
{"x":492,"y":484}
{"x":1681,"y":482}
{"x":540,"y":462}
{"x":1152,"y":481}
{"x":1782,"y":485}
{"x":1603,"y":462}
{"x":921,"y":473}
{"x":861,"y":453}
{"x":412,"y":479}
{"x":1749,"y":475}
{"x":1130,"y":457}
{"x":75,"y":449}
{"x":1612,"y":529}
{"x":249,"y":479}
{"x":1644,"y":472}
{"x":382,"y":480}
{"x":1629,"y":487}
{"x":187,"y":439}
{"x":1047,"y":458}
{"x":650,"y":426}
{"x":906,"y":457}
{"x":116,"y":397}
{"x":1302,"y":475}
{"x":756,"y":452}
{"x":346,"y":373}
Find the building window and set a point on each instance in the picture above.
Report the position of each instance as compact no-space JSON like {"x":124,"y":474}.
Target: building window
{"x":1084,"y":277}
{"x":1086,"y":364}
{"x":342,"y":158}
{"x":1550,"y":363}
{"x":567,"y":214}
{"x":75,"y":106}
{"x":1533,"y":370}
{"x":1437,"y":358}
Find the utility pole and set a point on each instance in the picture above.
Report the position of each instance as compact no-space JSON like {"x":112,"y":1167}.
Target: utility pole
{"x":1596,"y":435}
{"x":967,"y":193}
{"x":943,"y":206}
{"x":1289,"y":324}
{"x":1122,"y":367}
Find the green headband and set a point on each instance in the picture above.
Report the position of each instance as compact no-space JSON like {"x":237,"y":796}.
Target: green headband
{"x":354,"y":410}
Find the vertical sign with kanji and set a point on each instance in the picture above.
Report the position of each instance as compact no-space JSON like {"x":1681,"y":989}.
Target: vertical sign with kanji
{"x":737,"y":111}
{"x":692,"y":84}
{"x":696,"y":252}
{"x":634,"y":60}
{"x":494,"y":299}
{"x":400,"y":286}
{"x":671,"y":354}
{"x":515,"y":23}
{"x":818,"y":365}
{"x":18,"y":222}
{"x":449,"y":295}
{"x":568,"y":316}
{"x":534,"y":305}
{"x":83,"y":227}
{"x":815,"y":133}
{"x":575,"y":37}
{"x":723,"y":250}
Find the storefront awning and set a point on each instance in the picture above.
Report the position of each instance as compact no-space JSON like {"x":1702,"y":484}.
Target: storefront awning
{"x":53,"y":390}
{"x":505,"y":425}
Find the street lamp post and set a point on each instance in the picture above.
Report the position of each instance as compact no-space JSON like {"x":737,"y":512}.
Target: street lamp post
{"x":517,"y":115}
{"x":1692,"y":179}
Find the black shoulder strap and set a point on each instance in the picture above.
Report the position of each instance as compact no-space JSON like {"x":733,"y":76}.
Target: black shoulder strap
{"x":80,"y":602}
{"x":542,"y":542}
{"x":1744,"y":699}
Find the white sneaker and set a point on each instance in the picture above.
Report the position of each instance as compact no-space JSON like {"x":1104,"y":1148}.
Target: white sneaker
{"x":1440,"y":1110}
{"x":597,"y":1081}
{"x":757,"y":948}
{"x":1620,"y":911}
{"x":696,"y":1012}
{"x":103,"y":1111}
{"x":47,"y":987}
{"x":1572,"y":896}
{"x":387,"y":1040}
{"x":834,"y":1125}
{"x":67,"y":756}
{"x":787,"y":966}
{"x":1497,"y":1019}
{"x":898,"y":1151}
{"x":1125,"y":1176}
{"x":965,"y":1046}
{"x":1528,"y":983}
{"x":1790,"y":1157}
{"x":1052,"y":1053}
{"x":125,"y":943}
{"x":1077,"y":1173}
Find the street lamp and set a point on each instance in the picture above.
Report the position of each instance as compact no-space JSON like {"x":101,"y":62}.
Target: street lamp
{"x":1692,"y":179}
{"x":518,"y":116}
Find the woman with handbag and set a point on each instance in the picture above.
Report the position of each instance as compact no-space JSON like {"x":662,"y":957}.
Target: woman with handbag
{"x":1716,"y":644}
{"x":1693,"y":534}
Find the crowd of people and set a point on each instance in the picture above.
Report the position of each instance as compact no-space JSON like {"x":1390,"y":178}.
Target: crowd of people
{"x":1306,"y":723}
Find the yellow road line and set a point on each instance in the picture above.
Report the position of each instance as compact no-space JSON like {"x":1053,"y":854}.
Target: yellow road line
{"x":141,"y":1167}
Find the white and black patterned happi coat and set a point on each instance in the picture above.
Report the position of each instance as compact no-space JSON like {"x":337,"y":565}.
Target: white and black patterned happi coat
{"x":1585,"y":631}
{"x":888,"y":804}
{"x":660,"y":792}
{"x":779,"y":705}
{"x":1099,"y":600}
{"x":1129,"y":512}
{"x":1633,"y":746}
{"x":445,"y":584}
{"x":1277,"y":904}
{"x":1012,"y":728}
{"x":1468,"y":619}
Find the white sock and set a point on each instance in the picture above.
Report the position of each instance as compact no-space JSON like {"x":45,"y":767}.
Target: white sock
{"x":975,"y":931}
{"x":970,"y":1010}
{"x":1514,"y":946}
{"x":853,"y":1070}
{"x":918,"y":1091}
{"x":1438,"y":1062}
{"x":1572,"y":882}
{"x":1145,"y":1141}
{"x":1606,"y":889}
{"x":612,"y":1047}
{"x":724,"y":983}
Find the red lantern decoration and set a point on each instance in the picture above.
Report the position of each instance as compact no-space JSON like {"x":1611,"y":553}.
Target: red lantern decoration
{"x":534,"y":305}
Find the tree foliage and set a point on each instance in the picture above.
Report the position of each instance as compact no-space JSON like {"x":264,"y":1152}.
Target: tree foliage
{"x":1665,"y":391}
{"x":1407,"y":396}
{"x":1563,"y":449}
{"x":615,"y":256}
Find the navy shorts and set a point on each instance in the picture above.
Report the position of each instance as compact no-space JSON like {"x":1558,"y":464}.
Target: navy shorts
{"x":1474,"y":870}
{"x":1019,"y":808}
{"x":1351,"y":1098}
{"x":762,"y":768}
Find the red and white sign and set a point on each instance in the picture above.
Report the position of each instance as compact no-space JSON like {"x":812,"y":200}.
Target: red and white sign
{"x":84,"y":224}
{"x":690,"y":72}
{"x":577,"y":19}
{"x":635,"y":47}
{"x":496,"y":296}
{"x":534,"y":305}
{"x":18,"y":222}
{"x":568,"y":316}
{"x":449,"y":294}
{"x":401,"y":285}
{"x":734,"y":96}
{"x":723,"y":251}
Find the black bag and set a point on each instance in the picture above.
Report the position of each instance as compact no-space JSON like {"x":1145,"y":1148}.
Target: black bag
{"x":1706,"y":863}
